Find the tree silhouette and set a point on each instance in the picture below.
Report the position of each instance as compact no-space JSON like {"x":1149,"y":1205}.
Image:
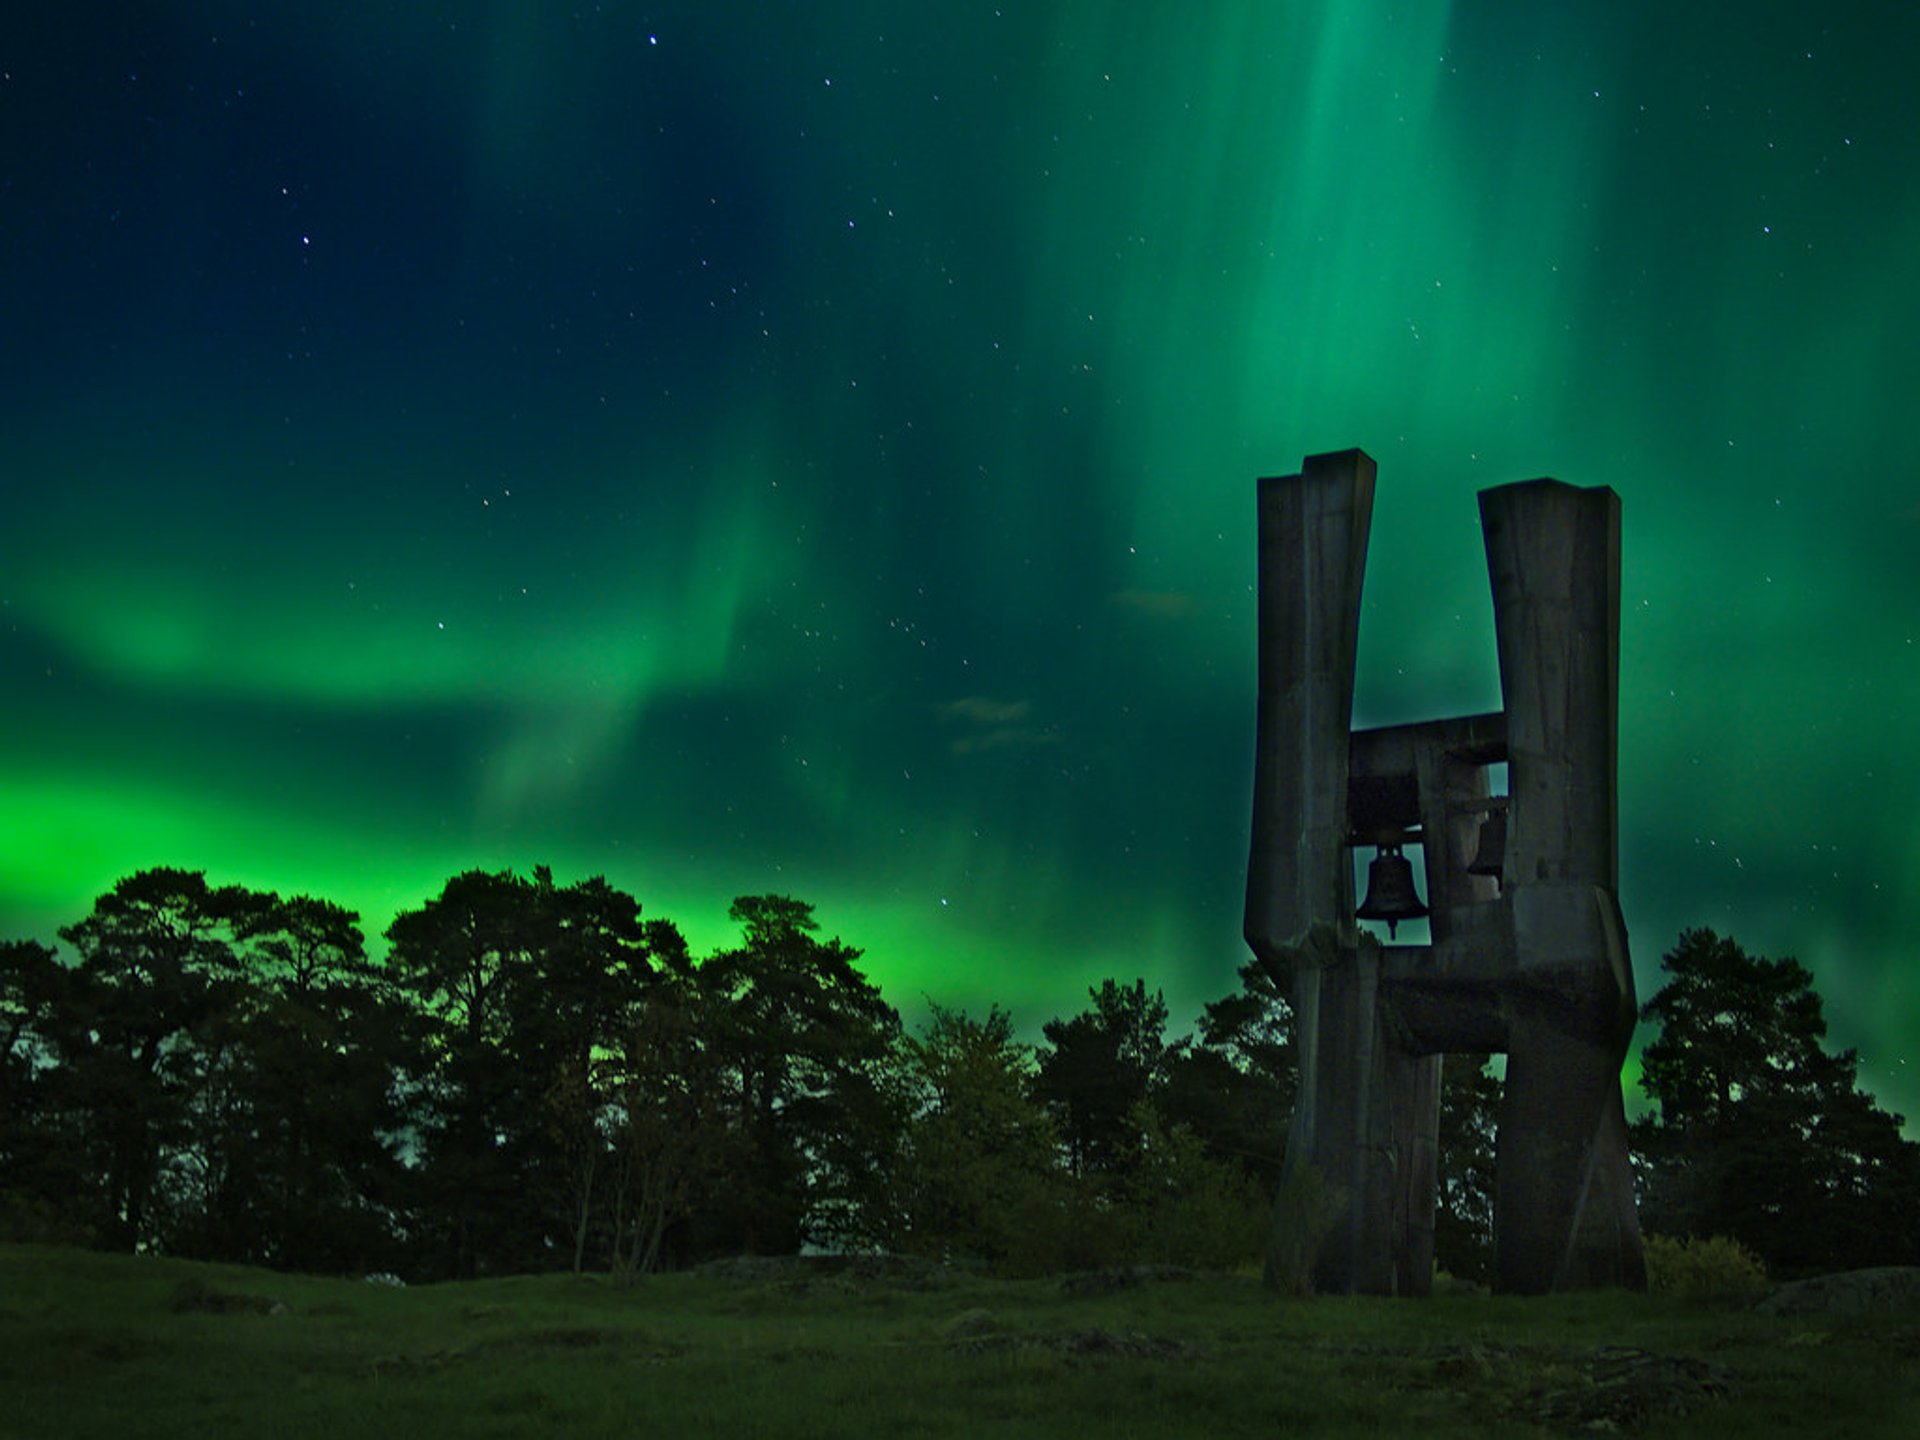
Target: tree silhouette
{"x":312,"y":1047}
{"x":524,"y":986}
{"x":807,"y":1043}
{"x":1233,"y":1084}
{"x":672,"y":1137}
{"x":1760,"y":1133}
{"x":210,"y":1077}
{"x":39,"y":1176}
{"x":138,"y":1042}
{"x":1463,"y":1212}
{"x":1097,"y":1066}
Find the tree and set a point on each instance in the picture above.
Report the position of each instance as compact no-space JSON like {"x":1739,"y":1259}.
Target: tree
{"x":1097,"y":1066}
{"x":1470,"y":1095}
{"x":1233,"y":1085}
{"x":451,"y":959}
{"x":592,"y":971}
{"x":672,"y":1136}
{"x":976,"y":1140}
{"x":1761,"y":1134}
{"x":137,"y":1042}
{"x":454,"y":954}
{"x":808,"y":1045}
{"x":214,"y":1076}
{"x":31,"y":983}
{"x":313,"y":1045}
{"x":38,"y":1176}
{"x":523,"y":985}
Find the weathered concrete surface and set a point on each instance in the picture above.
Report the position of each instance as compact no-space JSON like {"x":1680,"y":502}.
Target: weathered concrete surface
{"x":1313,"y":536}
{"x":1313,"y":555}
{"x":1564,"y":1192}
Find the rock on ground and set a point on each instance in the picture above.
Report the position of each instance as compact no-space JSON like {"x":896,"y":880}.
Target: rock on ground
{"x":1851,"y":1292}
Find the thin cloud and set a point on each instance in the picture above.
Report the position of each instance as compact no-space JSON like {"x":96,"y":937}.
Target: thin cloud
{"x":993,"y":725}
{"x":980,"y":710}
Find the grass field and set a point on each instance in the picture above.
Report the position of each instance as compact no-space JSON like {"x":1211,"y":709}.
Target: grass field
{"x":122,"y":1347}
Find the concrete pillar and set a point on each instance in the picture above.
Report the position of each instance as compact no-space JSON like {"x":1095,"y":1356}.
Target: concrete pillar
{"x":1413,"y":1086}
{"x":1553,"y":555}
{"x":1312,"y":558}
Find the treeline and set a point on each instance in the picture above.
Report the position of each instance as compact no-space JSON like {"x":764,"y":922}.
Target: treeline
{"x":538,"y":1078}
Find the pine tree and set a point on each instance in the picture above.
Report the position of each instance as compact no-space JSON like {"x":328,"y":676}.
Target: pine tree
{"x":1760,"y":1133}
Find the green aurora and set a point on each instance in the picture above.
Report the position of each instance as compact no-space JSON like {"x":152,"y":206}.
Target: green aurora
{"x":810,"y":448}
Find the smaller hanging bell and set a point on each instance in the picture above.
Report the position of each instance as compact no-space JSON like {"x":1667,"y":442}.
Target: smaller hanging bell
{"x":1390,"y":893}
{"x":1490,"y":856}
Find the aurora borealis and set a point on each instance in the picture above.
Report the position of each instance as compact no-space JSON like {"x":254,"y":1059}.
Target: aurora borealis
{"x":810,"y":447}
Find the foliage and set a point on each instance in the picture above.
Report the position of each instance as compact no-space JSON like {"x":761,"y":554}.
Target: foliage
{"x":1055,"y":1223}
{"x":1232,"y":1085}
{"x":530,"y":994}
{"x":976,"y":1140}
{"x":1760,"y":1133}
{"x":534,"y":1077}
{"x":209,"y":1076}
{"x":521,"y":986}
{"x":1717,"y":1268}
{"x":309,"y":1048}
{"x":806,"y":1044}
{"x":986,"y":1183}
{"x":671,"y":1137}
{"x":1463,"y":1211}
{"x":30,"y":1219}
{"x":34,"y":1164}
{"x":138,"y":1049}
{"x":1188,"y":1208}
{"x":1097,"y":1066}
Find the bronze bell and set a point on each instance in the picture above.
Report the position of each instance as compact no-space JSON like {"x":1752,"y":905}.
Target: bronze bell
{"x":1390,"y":892}
{"x":1490,"y":856}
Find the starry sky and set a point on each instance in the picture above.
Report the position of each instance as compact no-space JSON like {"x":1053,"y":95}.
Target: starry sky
{"x":742,"y":447}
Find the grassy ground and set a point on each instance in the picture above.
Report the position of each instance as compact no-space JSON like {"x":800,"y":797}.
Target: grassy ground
{"x":121,"y":1347}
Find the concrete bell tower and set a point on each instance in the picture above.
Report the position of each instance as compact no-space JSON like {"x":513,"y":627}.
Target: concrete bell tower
{"x":1528,"y":952}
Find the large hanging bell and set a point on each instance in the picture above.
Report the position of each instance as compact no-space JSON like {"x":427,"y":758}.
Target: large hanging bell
{"x":1490,"y":856}
{"x":1390,"y":893}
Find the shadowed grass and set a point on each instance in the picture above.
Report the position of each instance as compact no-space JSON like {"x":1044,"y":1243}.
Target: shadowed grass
{"x":118,"y":1347}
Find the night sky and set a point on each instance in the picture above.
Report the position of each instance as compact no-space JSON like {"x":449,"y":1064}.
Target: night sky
{"x":810,"y":448}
